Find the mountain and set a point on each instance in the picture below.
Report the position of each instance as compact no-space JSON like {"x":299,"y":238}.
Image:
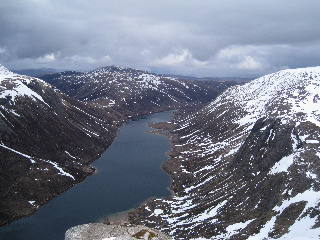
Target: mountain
{"x":211,"y":79}
{"x":47,"y":141}
{"x":133,"y":91}
{"x":246,"y":166}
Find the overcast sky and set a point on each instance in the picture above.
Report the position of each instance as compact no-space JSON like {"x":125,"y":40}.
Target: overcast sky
{"x":190,"y":37}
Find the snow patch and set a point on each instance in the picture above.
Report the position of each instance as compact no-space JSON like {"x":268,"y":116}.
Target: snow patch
{"x":32,"y":203}
{"x":62,"y":172}
{"x":70,"y":155}
{"x":210,"y":213}
{"x":235,"y":228}
{"x":22,"y":154}
{"x":283,"y":164}
{"x":158,"y":212}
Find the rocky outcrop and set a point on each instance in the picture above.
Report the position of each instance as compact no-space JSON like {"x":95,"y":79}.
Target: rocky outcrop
{"x":99,"y":231}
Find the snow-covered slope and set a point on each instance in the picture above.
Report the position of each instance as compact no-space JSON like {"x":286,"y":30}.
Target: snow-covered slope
{"x":47,"y":141}
{"x":246,"y":166}
{"x":13,"y":86}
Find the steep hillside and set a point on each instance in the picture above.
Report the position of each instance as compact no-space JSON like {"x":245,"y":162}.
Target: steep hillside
{"x":47,"y":141}
{"x":133,"y":91}
{"x":246,"y":166}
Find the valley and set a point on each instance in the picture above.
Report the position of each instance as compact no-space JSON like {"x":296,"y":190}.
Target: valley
{"x":244,"y":162}
{"x":50,"y":135}
{"x":221,"y":98}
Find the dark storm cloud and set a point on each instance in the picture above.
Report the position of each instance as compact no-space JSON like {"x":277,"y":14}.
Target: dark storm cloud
{"x":217,"y":38}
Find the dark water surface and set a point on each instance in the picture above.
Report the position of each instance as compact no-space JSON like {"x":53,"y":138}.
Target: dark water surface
{"x":129,"y":172}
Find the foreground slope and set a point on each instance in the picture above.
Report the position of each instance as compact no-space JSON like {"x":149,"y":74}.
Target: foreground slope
{"x":246,"y":166}
{"x":47,"y":141}
{"x":133,"y":91}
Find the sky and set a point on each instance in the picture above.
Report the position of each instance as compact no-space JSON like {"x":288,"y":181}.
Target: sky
{"x":202,"y":38}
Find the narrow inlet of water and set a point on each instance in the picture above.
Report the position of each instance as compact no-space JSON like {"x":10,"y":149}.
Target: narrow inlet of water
{"x":129,"y":173}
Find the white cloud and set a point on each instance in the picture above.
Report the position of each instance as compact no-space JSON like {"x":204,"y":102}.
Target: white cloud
{"x":107,"y":58}
{"x":50,"y":57}
{"x":82,"y":59}
{"x":249,"y":63}
{"x":239,"y":51}
{"x":251,"y":58}
{"x":182,"y":57}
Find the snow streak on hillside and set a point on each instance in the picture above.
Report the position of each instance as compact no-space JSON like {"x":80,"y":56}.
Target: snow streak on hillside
{"x":247,"y":165}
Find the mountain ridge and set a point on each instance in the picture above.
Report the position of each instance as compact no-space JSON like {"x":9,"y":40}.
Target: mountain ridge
{"x":37,"y":72}
{"x":133,"y":90}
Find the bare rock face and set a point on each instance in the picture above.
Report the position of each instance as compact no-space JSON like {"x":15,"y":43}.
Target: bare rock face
{"x":100,"y":231}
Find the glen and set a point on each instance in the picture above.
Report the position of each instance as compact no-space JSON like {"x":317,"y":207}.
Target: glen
{"x":50,"y":135}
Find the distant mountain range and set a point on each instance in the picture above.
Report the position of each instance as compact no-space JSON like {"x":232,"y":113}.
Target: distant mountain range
{"x":213,"y":79}
{"x":37,"y":72}
{"x":246,"y":166}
